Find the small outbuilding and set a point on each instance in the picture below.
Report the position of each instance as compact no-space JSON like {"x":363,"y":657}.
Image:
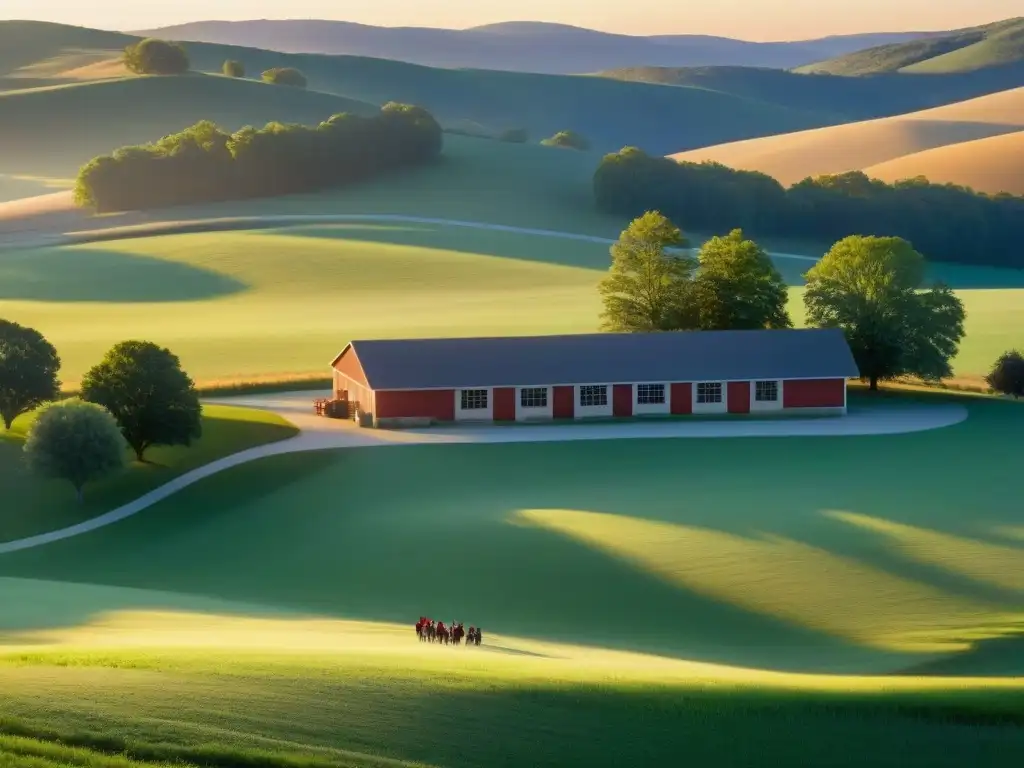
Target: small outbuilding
{"x":411,"y":382}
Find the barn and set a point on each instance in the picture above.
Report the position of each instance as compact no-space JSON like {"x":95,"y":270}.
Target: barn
{"x":410,"y":382}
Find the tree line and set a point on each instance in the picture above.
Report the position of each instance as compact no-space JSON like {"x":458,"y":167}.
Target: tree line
{"x":946,"y":222}
{"x":873,"y":288}
{"x":135,"y":398}
{"x":204,"y":163}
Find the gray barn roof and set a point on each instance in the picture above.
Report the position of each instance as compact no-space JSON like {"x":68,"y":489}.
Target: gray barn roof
{"x":605,"y":358}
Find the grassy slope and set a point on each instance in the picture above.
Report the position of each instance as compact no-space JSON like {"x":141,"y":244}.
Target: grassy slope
{"x":854,"y":146}
{"x":984,"y":46}
{"x":32,"y":505}
{"x":992,"y":165}
{"x":254,"y":303}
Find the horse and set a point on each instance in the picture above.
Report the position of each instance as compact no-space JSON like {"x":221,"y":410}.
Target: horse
{"x":457,"y":634}
{"x":421,"y":626}
{"x":478,"y":637}
{"x":443,"y":633}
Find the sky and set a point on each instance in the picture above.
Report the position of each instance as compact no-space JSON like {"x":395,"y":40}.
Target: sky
{"x":746,"y":19}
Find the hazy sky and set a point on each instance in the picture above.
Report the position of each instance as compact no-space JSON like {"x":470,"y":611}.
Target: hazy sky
{"x":749,"y":19}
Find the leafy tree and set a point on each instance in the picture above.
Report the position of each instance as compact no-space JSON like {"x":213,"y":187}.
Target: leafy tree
{"x":1007,"y":375}
{"x":28,"y":371}
{"x":738,"y":286}
{"x":871,"y":288}
{"x":648,"y":286}
{"x":75,"y":441}
{"x":514,"y":135}
{"x":152,"y":399}
{"x":156,"y":57}
{"x":233,"y":68}
{"x":567,"y":140}
{"x":285,"y":76}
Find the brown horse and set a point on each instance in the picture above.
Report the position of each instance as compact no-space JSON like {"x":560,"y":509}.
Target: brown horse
{"x":457,"y":634}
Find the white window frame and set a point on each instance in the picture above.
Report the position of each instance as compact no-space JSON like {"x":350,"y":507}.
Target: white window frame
{"x":650,"y":394}
{"x":664,"y":407}
{"x":719,"y":406}
{"x":485,"y":413}
{"x":717,"y":398}
{"x":538,"y":397}
{"x":600,"y":392}
{"x":766,"y":405}
{"x":474,"y":399}
{"x":589,"y":411}
{"x":534,"y":413}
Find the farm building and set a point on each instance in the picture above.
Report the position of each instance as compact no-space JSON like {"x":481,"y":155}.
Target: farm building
{"x":411,"y":382}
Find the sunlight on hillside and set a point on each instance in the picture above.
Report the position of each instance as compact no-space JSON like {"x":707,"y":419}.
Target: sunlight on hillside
{"x":1000,"y":566}
{"x":788,"y":580}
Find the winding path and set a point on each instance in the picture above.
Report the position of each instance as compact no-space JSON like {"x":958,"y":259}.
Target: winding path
{"x":318,"y":433}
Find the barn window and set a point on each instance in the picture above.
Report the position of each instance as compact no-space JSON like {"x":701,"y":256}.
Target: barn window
{"x":533,"y":397}
{"x":593,"y":395}
{"x":474,"y":399}
{"x":766,"y":391}
{"x":650,"y":394}
{"x":709,"y":392}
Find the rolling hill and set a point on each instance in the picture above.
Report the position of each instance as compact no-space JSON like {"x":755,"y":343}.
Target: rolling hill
{"x":854,"y":146}
{"x":991,"y":45}
{"x":993,"y":165}
{"x":519,"y":46}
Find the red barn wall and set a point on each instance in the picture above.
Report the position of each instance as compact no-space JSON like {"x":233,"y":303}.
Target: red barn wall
{"x":622,"y":400}
{"x":682,"y":399}
{"x":738,"y":397}
{"x":349,"y":365}
{"x":504,"y":404}
{"x":425,"y":403}
{"x":563,"y":402}
{"x":814,"y":393}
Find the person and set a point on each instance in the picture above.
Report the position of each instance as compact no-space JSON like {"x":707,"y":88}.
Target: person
{"x":471,"y":636}
{"x":479,"y":636}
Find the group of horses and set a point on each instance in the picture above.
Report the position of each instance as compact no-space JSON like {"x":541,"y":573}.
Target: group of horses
{"x":430,"y":631}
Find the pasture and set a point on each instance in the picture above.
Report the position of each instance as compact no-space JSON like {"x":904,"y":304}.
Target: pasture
{"x":638,"y":603}
{"x":34,"y":505}
{"x":237,"y":305}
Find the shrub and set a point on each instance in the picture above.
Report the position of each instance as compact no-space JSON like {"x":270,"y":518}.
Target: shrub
{"x":156,"y":57}
{"x":285,"y":76}
{"x":75,"y":441}
{"x":233,"y":68}
{"x":567,"y":140}
{"x":1007,"y":375}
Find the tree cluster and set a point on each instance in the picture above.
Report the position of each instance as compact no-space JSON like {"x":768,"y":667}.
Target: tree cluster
{"x":948,"y":222}
{"x":137,"y":396}
{"x":156,"y":57}
{"x":567,"y":140}
{"x":204,"y":163}
{"x":654,"y":284}
{"x":870,"y":287}
{"x":233,"y":68}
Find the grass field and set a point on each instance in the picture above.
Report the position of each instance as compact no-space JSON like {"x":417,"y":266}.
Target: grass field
{"x":247,"y":304}
{"x":33,"y":505}
{"x":232,"y":616}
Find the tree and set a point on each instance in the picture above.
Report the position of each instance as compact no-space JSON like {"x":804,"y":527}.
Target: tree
{"x":152,"y":399}
{"x":285,"y":76}
{"x":871,"y":288}
{"x":738,"y":287}
{"x":156,"y":57}
{"x":648,"y":286}
{"x":1007,"y":375}
{"x":75,"y":441}
{"x":28,"y":371}
{"x":567,"y":140}
{"x":233,"y":68}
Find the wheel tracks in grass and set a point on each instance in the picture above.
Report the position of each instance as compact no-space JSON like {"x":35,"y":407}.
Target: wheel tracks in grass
{"x":227,"y":224}
{"x":335,"y":435}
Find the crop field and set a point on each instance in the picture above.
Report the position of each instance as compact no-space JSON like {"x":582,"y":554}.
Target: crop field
{"x":251,"y":303}
{"x":267,"y":610}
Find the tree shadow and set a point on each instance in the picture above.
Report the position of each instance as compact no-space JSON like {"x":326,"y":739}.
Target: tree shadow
{"x":93,"y":275}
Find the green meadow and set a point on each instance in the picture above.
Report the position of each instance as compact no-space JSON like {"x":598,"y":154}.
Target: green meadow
{"x":246,"y":304}
{"x":729,"y":600}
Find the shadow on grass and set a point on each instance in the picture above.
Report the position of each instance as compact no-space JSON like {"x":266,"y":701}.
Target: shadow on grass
{"x":93,"y":275}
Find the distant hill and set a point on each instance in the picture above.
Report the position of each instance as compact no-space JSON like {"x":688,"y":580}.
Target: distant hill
{"x":954,"y":143}
{"x":964,"y":50}
{"x":526,"y":46}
